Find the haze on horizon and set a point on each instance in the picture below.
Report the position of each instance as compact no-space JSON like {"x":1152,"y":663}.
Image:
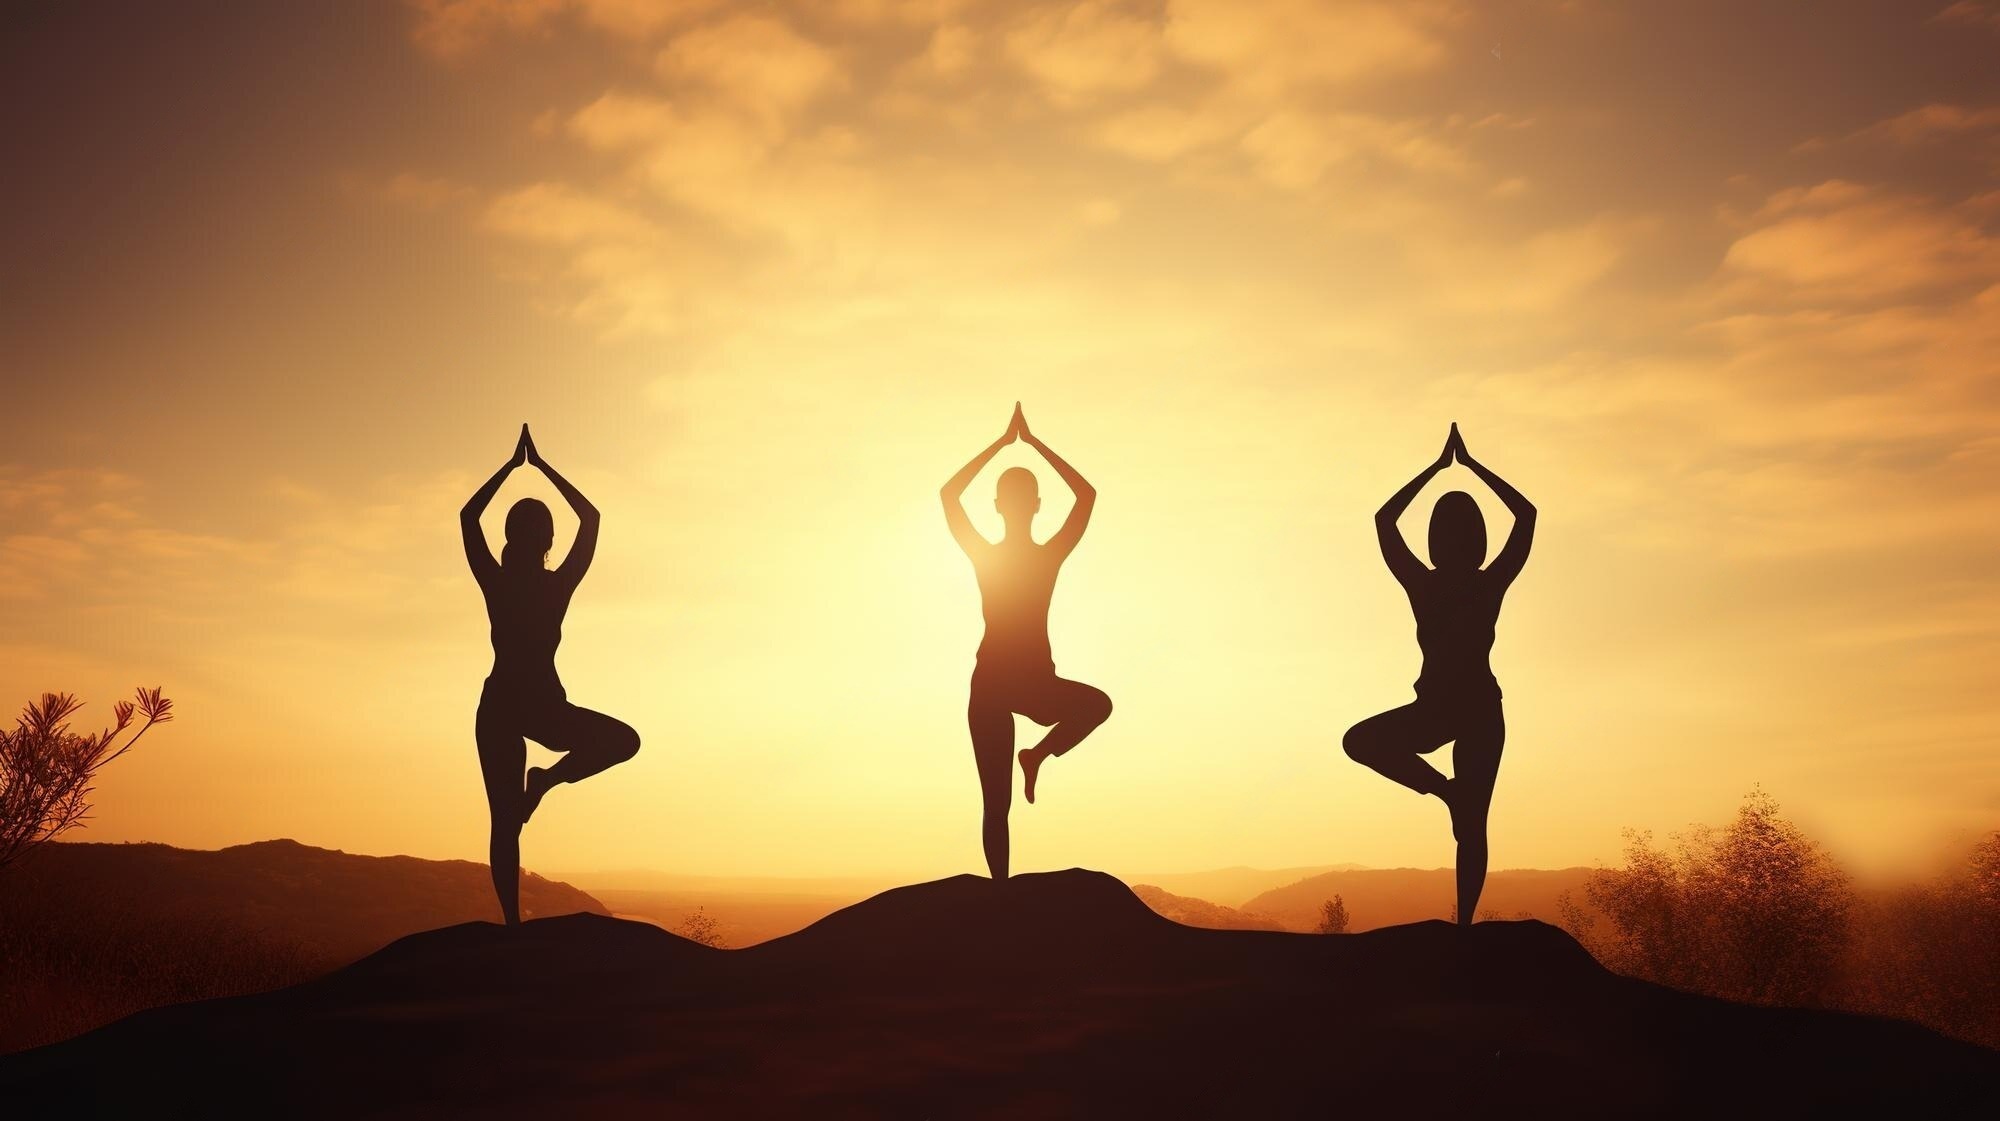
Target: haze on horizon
{"x":1716,"y":286}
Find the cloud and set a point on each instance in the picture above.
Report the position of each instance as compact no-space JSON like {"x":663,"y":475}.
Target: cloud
{"x":622,"y":272}
{"x":1294,"y":150}
{"x":643,"y":19}
{"x":1093,"y":47}
{"x":952,"y":48}
{"x":1887,"y":376}
{"x":83,"y":536}
{"x":1163,"y":132}
{"x":1970,"y":13}
{"x":755,"y":62}
{"x":1927,"y":124}
{"x":1839,"y":241}
{"x":1279,"y":45}
{"x":557,"y":214}
{"x":898,"y":12}
{"x":744,"y":170}
{"x":453,"y":29}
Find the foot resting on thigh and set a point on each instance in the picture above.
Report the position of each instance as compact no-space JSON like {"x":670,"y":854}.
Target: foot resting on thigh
{"x":1031,"y":765}
{"x":1449,"y":794}
{"x":531,"y":795}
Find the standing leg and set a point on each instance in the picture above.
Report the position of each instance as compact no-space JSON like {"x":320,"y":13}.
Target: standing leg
{"x":1392,"y":743}
{"x":1475,"y":762}
{"x":502,"y":754}
{"x":590,"y":741}
{"x":992,"y":725}
{"x":1075,"y":710}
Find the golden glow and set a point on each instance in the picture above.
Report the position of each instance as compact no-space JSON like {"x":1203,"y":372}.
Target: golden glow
{"x":762,"y":280}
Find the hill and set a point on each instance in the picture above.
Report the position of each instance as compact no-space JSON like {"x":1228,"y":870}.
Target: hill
{"x":91,"y":932}
{"x":1393,"y":896}
{"x":749,"y":910}
{"x":1200,"y":912}
{"x":746,"y":918}
{"x":741,"y":918}
{"x":1058,"y":994}
{"x":1230,"y":887}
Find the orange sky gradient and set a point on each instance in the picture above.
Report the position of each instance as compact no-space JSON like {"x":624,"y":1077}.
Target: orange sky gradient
{"x":1716,"y":284}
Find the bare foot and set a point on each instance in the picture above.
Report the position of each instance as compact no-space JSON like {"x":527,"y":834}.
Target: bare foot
{"x":531,"y":794}
{"x":1448,"y":794}
{"x":1031,"y":765}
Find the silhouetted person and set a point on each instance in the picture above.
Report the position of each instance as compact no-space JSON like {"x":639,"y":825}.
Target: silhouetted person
{"x":1456,"y":604}
{"x":523,"y":699}
{"x":1015,"y":672}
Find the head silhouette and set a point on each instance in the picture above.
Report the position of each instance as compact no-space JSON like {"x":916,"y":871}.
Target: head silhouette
{"x":1458,"y":533}
{"x":530,"y":532}
{"x":1017,"y":497}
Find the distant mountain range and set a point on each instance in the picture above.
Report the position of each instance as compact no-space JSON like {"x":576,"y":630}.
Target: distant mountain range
{"x":91,"y":932}
{"x":1391,"y":896}
{"x":1230,"y":887}
{"x":337,"y":903}
{"x":1200,"y":912}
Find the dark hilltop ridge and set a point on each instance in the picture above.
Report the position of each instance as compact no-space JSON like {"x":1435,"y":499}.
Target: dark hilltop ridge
{"x":1055,"y":994}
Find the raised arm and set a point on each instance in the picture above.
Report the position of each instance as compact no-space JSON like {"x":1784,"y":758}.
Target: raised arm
{"x":1514,"y":554}
{"x":1403,"y":564}
{"x":1072,"y":529}
{"x":477,"y":553}
{"x":953,"y":491}
{"x":577,"y":562}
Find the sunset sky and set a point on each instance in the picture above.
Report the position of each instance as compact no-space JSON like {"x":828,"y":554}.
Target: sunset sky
{"x":1716,"y":284}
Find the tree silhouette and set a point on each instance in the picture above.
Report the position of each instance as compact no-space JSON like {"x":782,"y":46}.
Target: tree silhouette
{"x":1333,"y":916}
{"x":46,"y":770}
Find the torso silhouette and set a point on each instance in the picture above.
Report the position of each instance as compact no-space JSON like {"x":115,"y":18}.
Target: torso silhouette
{"x":1456,"y":612}
{"x":1017,"y":578}
{"x":526,"y":610}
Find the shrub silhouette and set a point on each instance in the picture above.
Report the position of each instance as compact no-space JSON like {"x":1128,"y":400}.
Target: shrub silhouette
{"x":46,"y":770}
{"x":700,"y":927}
{"x":1932,"y":951}
{"x":1756,"y":911}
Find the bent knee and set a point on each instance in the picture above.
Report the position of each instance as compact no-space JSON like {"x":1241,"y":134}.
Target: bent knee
{"x":1359,"y":745}
{"x":1100,"y":708}
{"x":625,"y":744}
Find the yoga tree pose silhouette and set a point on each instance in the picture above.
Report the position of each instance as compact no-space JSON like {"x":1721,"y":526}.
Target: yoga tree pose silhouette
{"x":1015,"y":671}
{"x":523,"y":699}
{"x":1456,"y":604}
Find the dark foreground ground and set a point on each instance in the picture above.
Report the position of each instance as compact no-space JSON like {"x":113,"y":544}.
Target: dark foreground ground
{"x":1048,"y":995}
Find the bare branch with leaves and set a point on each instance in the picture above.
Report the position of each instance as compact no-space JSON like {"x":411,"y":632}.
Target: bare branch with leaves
{"x":47,"y":771}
